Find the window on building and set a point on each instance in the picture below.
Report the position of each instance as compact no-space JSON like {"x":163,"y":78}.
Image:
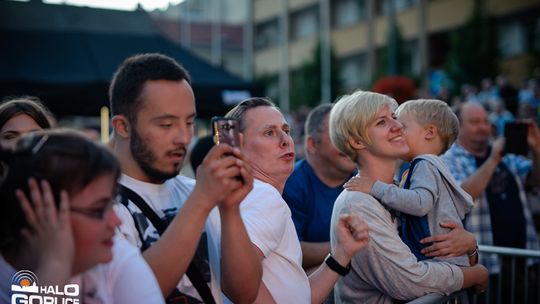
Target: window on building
{"x":305,"y":23}
{"x":266,"y":34}
{"x":382,"y":7}
{"x":353,"y":71}
{"x":408,"y":59}
{"x":512,"y":39}
{"x":412,"y":62}
{"x":348,"y":12}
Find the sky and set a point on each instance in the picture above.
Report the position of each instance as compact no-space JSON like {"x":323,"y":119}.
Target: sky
{"x":118,"y":4}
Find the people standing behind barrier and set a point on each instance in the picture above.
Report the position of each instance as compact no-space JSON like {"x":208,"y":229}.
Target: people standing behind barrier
{"x":61,"y":170}
{"x":429,"y":195}
{"x":269,"y":148}
{"x":20,"y":115}
{"x":501,"y":216}
{"x":364,"y":127}
{"x":164,"y":213}
{"x":314,"y":185}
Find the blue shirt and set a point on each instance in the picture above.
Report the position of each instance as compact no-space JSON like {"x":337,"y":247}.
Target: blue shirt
{"x":311,"y":203}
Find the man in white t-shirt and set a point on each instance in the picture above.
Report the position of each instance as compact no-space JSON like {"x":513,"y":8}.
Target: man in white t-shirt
{"x":153,"y":110}
{"x":268,"y":147}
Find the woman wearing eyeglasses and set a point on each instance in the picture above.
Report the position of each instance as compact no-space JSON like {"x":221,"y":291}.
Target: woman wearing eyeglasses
{"x":61,"y":170}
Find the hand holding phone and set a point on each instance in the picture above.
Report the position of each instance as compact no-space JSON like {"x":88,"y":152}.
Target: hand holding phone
{"x":226,"y":130}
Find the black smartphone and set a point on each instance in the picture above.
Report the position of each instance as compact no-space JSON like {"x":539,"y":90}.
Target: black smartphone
{"x":226,"y":130}
{"x":515,"y":134}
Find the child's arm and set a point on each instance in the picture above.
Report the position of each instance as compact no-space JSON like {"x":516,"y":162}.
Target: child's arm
{"x":417,"y":201}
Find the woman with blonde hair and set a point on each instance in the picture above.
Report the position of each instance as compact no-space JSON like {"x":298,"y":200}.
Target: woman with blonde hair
{"x":364,"y":127}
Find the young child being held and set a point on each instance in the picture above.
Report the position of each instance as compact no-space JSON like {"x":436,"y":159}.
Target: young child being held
{"x":430,"y":194}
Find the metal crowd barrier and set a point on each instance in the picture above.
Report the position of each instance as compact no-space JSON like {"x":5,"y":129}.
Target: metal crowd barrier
{"x":531,"y":263}
{"x":435,"y":298}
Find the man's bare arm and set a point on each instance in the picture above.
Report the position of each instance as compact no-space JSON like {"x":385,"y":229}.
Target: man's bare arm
{"x":170,"y":256}
{"x":241,"y":269}
{"x":313,"y":254}
{"x":477,"y":183}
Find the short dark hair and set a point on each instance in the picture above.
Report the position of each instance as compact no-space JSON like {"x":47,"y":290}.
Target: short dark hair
{"x":199,"y":151}
{"x":128,"y":81}
{"x":314,"y":122}
{"x":240,"y":109}
{"x":65,"y":158}
{"x":29,"y":105}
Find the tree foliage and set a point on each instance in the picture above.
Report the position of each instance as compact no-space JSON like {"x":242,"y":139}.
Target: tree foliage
{"x":473,"y":49}
{"x":306,"y":81}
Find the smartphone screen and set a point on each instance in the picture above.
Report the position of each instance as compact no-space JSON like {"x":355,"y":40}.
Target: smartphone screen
{"x":515,"y":135}
{"x":226,"y":130}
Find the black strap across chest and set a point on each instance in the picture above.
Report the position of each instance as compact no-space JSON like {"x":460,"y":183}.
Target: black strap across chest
{"x":192,"y":272}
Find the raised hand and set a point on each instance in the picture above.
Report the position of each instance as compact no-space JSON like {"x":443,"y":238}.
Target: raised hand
{"x":360,"y":183}
{"x":351,"y":235}
{"x":217,"y":174}
{"x":497,"y":150}
{"x":49,"y":233}
{"x":246,"y":174}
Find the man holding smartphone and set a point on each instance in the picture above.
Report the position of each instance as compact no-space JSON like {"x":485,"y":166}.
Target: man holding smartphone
{"x":501,"y":216}
{"x":164,"y":213}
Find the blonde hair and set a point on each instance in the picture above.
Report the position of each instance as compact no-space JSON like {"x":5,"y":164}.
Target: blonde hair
{"x":435,"y":112}
{"x":351,"y":116}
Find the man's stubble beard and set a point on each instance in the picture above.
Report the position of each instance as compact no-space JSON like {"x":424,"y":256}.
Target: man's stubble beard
{"x":144,"y":157}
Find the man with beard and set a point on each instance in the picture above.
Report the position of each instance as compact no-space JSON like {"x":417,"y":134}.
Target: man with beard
{"x":153,"y":111}
{"x":314,"y":185}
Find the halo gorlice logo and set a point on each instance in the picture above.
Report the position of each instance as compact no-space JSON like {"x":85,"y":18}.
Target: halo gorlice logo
{"x":26,"y":290}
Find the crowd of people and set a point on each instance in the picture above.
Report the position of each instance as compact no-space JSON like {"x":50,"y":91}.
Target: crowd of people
{"x":255,"y":226}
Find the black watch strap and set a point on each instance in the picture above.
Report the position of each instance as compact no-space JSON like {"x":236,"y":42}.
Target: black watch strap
{"x":335,"y":266}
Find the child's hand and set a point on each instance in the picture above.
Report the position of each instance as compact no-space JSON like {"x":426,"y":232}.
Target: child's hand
{"x":360,"y":183}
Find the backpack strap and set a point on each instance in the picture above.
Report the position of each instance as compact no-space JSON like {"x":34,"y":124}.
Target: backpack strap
{"x":192,"y":271}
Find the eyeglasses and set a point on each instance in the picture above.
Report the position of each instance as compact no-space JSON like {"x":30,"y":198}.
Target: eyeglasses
{"x":95,"y":213}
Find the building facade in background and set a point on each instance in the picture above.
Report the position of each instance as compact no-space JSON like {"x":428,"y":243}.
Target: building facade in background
{"x":213,"y":29}
{"x":358,"y":31}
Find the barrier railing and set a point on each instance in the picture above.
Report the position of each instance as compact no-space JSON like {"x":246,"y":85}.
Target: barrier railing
{"x":522,"y":265}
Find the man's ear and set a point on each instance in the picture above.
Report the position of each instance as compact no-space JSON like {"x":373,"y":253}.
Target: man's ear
{"x":311,"y":146}
{"x":121,"y":125}
{"x":356,"y":144}
{"x":430,"y":132}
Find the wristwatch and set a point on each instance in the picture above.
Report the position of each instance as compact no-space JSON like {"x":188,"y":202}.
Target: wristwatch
{"x":475,"y":251}
{"x":335,"y":266}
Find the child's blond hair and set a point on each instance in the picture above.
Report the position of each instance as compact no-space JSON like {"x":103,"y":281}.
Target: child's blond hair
{"x":435,"y":112}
